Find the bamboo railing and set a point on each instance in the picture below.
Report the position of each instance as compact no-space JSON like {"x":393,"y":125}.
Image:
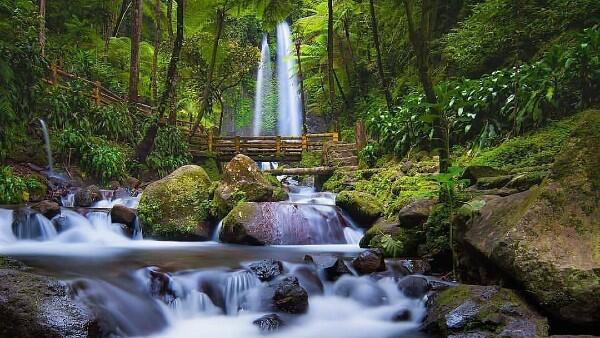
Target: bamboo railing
{"x":260,"y":148}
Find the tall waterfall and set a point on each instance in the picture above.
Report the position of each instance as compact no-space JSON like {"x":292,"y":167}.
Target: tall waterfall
{"x":263,"y":87}
{"x":289,"y":120}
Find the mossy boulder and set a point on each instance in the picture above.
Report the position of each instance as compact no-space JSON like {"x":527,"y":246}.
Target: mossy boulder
{"x":476,"y":172}
{"x":178,"y":207}
{"x":243,"y":181}
{"x":385,"y":232}
{"x":37,"y":306}
{"x":548,"y":238}
{"x":483,"y":311}
{"x":364,"y":208}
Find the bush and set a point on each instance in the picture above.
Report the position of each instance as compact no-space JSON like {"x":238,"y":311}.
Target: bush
{"x":13,"y":189}
{"x":170,"y":151}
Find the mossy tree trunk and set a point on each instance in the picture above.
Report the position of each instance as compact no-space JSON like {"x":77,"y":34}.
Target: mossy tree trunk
{"x":330,"y":75}
{"x":384,"y":83}
{"x":166,"y":102}
{"x":134,"y":69}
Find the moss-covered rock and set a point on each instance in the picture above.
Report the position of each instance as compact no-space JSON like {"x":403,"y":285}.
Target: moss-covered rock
{"x":178,"y":207}
{"x":548,"y":238}
{"x":362,"y":207}
{"x":392,"y":239}
{"x":488,"y":311}
{"x":243,"y":181}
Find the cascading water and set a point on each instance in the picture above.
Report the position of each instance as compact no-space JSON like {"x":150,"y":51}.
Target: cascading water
{"x":263,"y":87}
{"x":289,"y":120}
{"x":47,"y":145}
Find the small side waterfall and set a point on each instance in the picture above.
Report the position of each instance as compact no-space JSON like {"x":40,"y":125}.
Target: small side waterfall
{"x":47,"y":145}
{"x":263,"y":87}
{"x":289,"y":108}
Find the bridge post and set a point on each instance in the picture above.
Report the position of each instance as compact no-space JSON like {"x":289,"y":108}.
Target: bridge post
{"x":210,"y":141}
{"x":278,"y":145}
{"x":336,"y":137}
{"x":361,"y":135}
{"x":54,"y":69}
{"x":96,"y":94}
{"x":237,"y":145}
{"x":304,"y":142}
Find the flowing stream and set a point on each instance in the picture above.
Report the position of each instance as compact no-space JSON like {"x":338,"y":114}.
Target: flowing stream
{"x":150,"y":288}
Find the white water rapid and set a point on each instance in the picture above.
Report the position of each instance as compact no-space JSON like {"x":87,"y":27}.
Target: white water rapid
{"x":289,"y":120}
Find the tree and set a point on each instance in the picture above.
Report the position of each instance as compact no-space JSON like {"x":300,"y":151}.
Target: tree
{"x":157,"y":38}
{"x":420,"y":39}
{"x":134,"y":69}
{"x":330,"y":75}
{"x":145,"y":146}
{"x":382,"y":77}
{"x":42,"y":29}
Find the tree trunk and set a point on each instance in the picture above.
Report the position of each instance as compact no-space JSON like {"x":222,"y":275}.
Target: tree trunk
{"x":420,"y":40}
{"x":157,"y":38}
{"x":384,"y":82}
{"x":302,"y":94}
{"x":211,"y":68}
{"x":145,"y":146}
{"x":330,"y":79}
{"x":134,"y":70}
{"x":170,"y":20}
{"x":42,"y":27}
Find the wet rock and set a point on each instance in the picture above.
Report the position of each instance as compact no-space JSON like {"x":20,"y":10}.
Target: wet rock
{"x":414,"y":286}
{"x":493,"y":182}
{"x":29,"y":224}
{"x":369,"y":261}
{"x":410,"y":238}
{"x":309,"y":280}
{"x":269,"y":323}
{"x":114,"y":185}
{"x":475,"y":172}
{"x":364,"y":208}
{"x":403,"y":315}
{"x":241,"y":177}
{"x":363,"y":290}
{"x":36,"y":306}
{"x":308,"y":259}
{"x":272,"y":223}
{"x":335,"y":271}
{"x":131,"y":182}
{"x":546,"y":238}
{"x":122,"y":214}
{"x":160,"y":285}
{"x":47,"y":208}
{"x":267,"y":269}
{"x":290,"y":297}
{"x":174,"y":207}
{"x":415,"y":214}
{"x":121,"y":193}
{"x":87,"y":196}
{"x":480,"y":311}
{"x":524,"y":181}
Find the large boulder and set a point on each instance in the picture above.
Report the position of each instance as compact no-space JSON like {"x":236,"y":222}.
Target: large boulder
{"x":369,"y":261}
{"x":242,"y":180}
{"x":548,"y":238}
{"x":483,"y":311}
{"x":382,"y":230}
{"x":122,"y":214}
{"x":475,"y":172}
{"x":267,"y":269}
{"x":177,"y":207}
{"x":364,"y":208}
{"x":290,"y":297}
{"x":47,"y":208}
{"x":36,"y":306}
{"x":271,"y":223}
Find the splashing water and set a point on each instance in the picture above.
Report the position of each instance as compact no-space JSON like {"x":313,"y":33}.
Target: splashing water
{"x":263,"y":87}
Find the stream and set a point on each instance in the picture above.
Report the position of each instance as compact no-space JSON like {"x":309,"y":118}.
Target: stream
{"x":149,"y":288}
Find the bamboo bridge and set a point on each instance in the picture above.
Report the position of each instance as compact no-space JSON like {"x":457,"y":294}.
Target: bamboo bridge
{"x":205,"y":144}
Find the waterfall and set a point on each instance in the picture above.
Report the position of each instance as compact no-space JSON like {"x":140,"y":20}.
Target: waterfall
{"x":263,"y":87}
{"x":289,"y":120}
{"x":47,"y":144}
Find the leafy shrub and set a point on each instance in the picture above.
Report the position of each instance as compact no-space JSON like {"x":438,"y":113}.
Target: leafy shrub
{"x":369,"y":154}
{"x":13,"y":189}
{"x":170,"y":151}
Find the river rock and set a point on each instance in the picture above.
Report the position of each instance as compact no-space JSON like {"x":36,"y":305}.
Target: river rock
{"x":414,"y":286}
{"x":308,"y":278}
{"x":267,"y":269}
{"x":338,"y":269}
{"x":475,"y":172}
{"x":160,"y":285}
{"x":29,"y":224}
{"x":547,"y":238}
{"x":364,"y":208}
{"x":243,"y":180}
{"x":415,"y":214}
{"x":369,"y":261}
{"x":37,"y":306}
{"x":363,"y":290}
{"x":47,"y":208}
{"x":176,"y":207}
{"x":122,"y":214}
{"x":483,"y":311}
{"x":87,"y":196}
{"x":273,"y":223}
{"x":290,"y":297}
{"x":269,"y":323}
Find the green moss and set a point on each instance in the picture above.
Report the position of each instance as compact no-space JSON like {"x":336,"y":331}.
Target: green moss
{"x":211,"y":166}
{"x":310,"y":159}
{"x":534,"y":149}
{"x":362,"y":207}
